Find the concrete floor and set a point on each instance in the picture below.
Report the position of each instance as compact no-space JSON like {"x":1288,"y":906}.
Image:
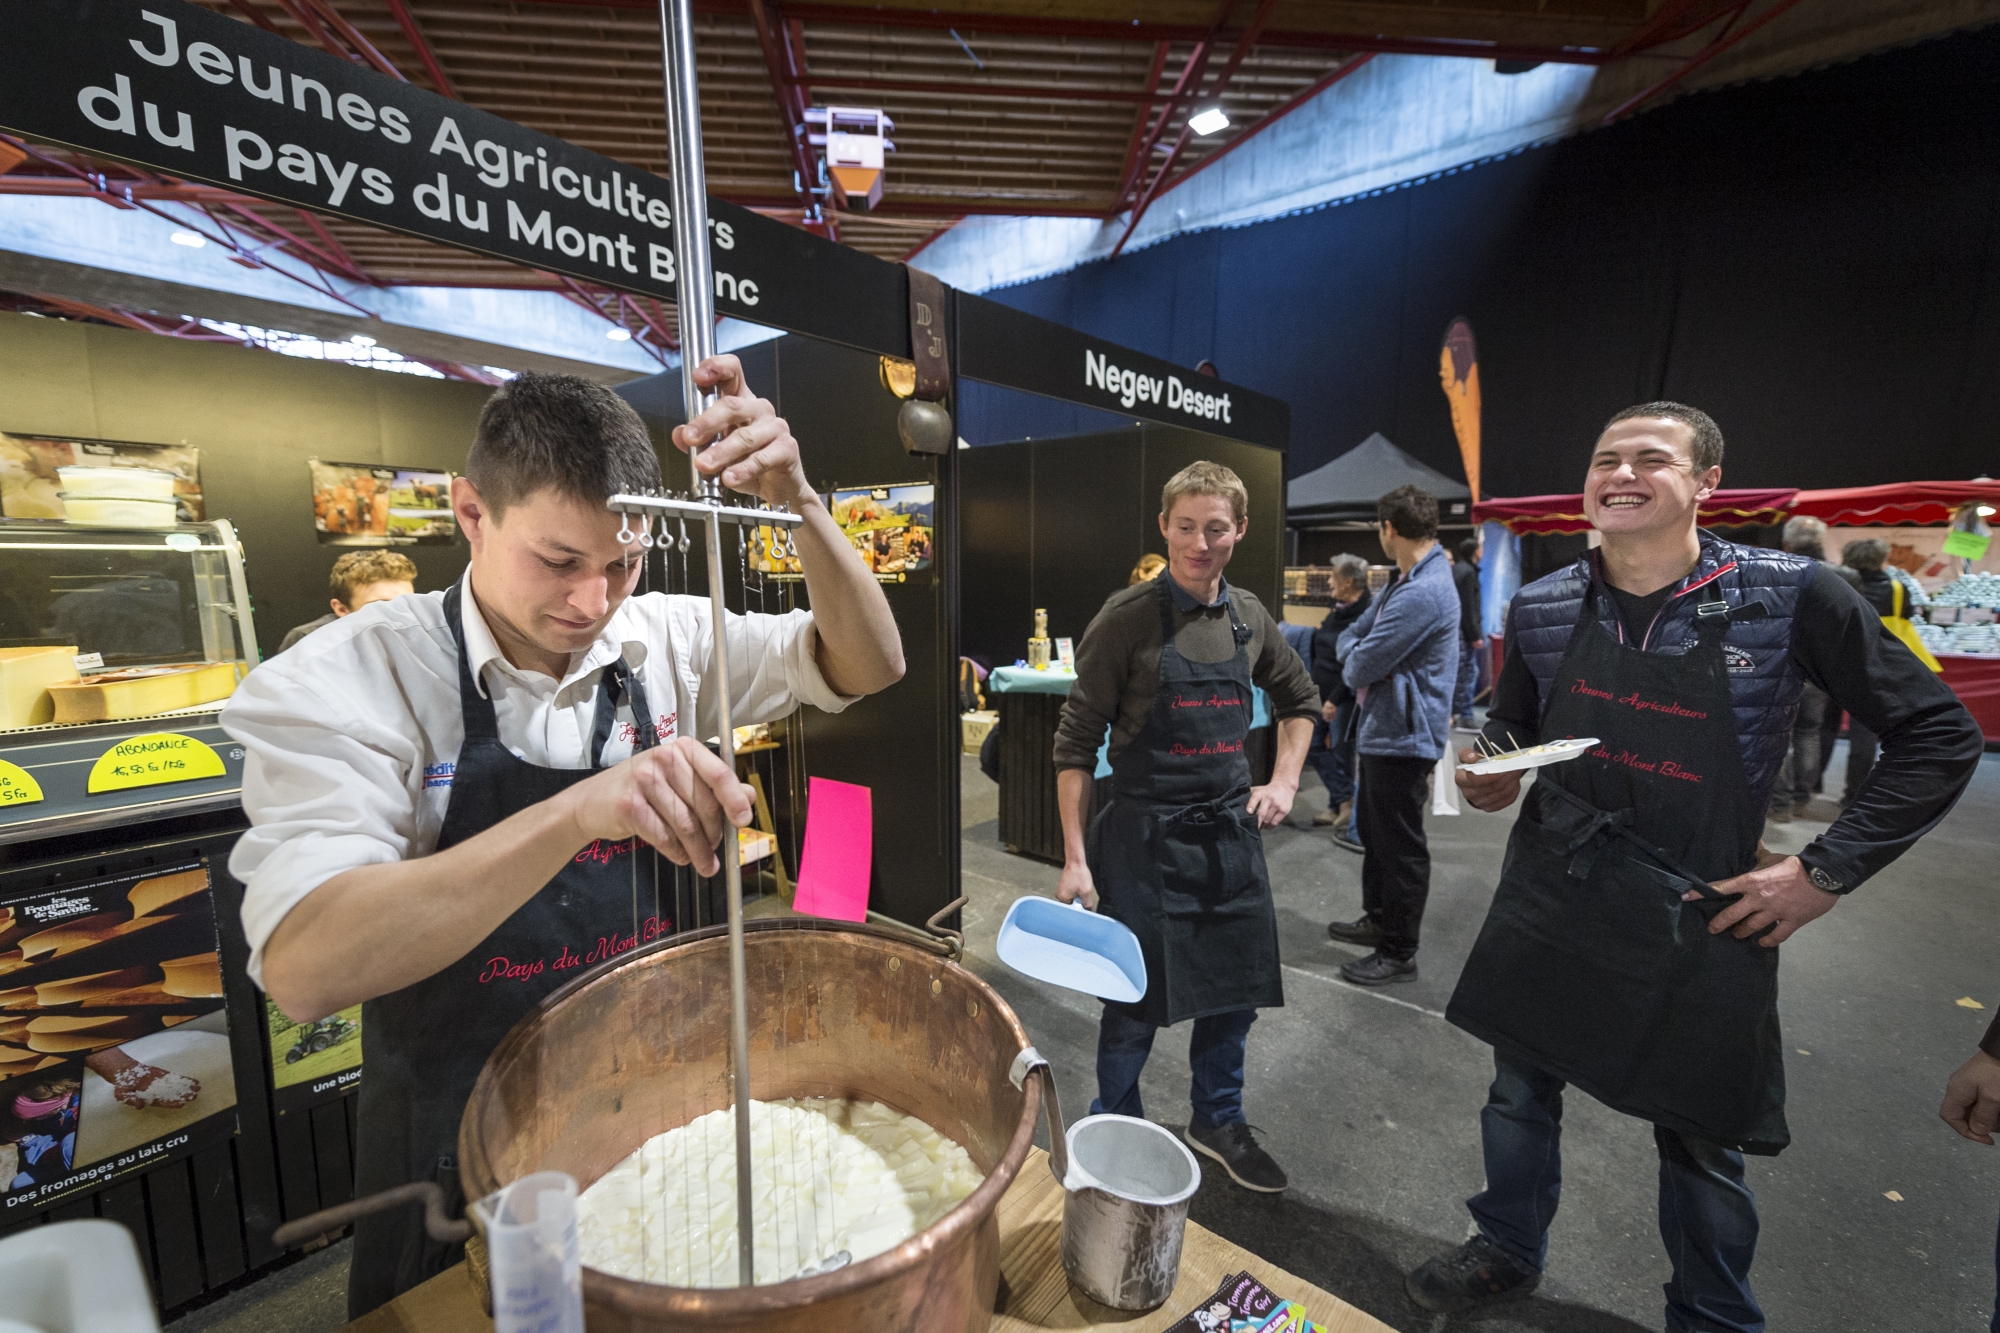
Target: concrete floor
{"x":1371,"y":1100}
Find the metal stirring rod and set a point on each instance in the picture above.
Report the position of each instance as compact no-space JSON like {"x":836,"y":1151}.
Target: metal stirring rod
{"x":694,"y":295}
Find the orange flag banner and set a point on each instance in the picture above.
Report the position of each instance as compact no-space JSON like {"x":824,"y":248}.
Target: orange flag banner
{"x":1458,"y":372}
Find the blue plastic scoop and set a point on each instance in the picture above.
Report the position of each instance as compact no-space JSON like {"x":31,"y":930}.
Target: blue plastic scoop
{"x":1074,"y":947}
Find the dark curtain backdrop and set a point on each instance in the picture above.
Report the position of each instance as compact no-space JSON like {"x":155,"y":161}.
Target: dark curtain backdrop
{"x":1809,"y":259}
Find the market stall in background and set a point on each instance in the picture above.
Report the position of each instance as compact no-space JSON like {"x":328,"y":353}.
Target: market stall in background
{"x":1938,"y":534}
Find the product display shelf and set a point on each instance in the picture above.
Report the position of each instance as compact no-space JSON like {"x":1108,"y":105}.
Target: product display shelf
{"x":121,"y":598}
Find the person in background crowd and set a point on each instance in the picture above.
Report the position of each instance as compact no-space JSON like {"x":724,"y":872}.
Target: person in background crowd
{"x":1813,"y":731}
{"x":1632,"y":944}
{"x":1971,"y":1107}
{"x":1465,"y":577}
{"x":1914,"y":591}
{"x":1868,"y":557}
{"x":358,"y":578}
{"x":1169,"y":667}
{"x":1333,"y":736}
{"x":1401,"y":660}
{"x":1147,"y":569}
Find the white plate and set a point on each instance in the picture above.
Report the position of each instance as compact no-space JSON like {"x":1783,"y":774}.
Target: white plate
{"x":1556,"y":752}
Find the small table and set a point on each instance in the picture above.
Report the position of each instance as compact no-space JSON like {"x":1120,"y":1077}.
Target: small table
{"x":1038,"y":1295}
{"x":1030,"y":704}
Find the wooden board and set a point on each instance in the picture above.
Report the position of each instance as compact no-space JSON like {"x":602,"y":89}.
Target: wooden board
{"x":1034,"y":1293}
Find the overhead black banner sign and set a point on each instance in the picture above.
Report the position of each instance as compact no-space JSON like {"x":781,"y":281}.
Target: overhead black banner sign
{"x":174,"y":87}
{"x":1002,"y":345}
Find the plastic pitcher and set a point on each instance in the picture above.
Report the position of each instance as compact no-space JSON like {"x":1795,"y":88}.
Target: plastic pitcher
{"x":531,"y":1244}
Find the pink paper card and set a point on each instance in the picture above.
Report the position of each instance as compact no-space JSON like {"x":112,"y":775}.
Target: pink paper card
{"x":839,"y":851}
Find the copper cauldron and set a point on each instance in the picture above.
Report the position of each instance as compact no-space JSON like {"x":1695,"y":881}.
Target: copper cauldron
{"x":641,"y":1047}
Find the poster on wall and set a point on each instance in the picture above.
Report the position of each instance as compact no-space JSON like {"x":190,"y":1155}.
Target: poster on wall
{"x":312,"y":1062}
{"x":892,"y":527}
{"x":1917,"y":550}
{"x":114,"y":1039}
{"x":363,"y":504}
{"x":32,"y":484}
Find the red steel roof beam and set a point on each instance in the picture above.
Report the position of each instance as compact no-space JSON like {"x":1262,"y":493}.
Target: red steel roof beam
{"x":1667,"y":25}
{"x":301,"y":14}
{"x":352,"y":36}
{"x":1722,"y":42}
{"x":255,"y":15}
{"x":784,"y":71}
{"x":415,"y":37}
{"x":1277,"y":114}
{"x":1028,"y":91}
{"x":1190,"y":78}
{"x":1235,"y":62}
{"x":333,"y":245}
{"x":1139,"y":122}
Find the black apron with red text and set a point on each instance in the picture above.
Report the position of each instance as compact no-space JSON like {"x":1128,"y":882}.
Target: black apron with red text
{"x":1176,"y":854}
{"x":426,"y":1043}
{"x":1589,"y":964}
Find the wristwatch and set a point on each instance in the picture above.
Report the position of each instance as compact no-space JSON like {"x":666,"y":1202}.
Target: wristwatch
{"x":1822,"y":880}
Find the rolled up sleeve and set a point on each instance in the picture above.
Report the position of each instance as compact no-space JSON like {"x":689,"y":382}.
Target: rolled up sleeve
{"x":773,"y":668}
{"x":325,"y":790}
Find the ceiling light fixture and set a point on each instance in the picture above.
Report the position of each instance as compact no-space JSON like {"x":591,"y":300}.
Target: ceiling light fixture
{"x":619,"y":335}
{"x":1209,"y":120}
{"x":193,"y":240}
{"x":362,"y":340}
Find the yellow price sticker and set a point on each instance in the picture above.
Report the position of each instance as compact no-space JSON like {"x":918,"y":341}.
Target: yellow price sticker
{"x":153,"y":759}
{"x":17,"y":786}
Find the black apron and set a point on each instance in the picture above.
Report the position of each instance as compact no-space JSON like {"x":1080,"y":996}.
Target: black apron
{"x":1589,"y":965}
{"x":1176,"y":854}
{"x":427,"y":1042}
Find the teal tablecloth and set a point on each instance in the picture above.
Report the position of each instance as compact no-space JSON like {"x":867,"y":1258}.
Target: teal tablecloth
{"x":1055,"y":680}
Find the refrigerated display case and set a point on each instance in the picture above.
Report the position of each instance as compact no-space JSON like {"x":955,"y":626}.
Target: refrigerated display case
{"x":140,"y":611}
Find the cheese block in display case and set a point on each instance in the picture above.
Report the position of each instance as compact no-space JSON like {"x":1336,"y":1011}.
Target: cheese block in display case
{"x":118,"y":648}
{"x":25,"y":677}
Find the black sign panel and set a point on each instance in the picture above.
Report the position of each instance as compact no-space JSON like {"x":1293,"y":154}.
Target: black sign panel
{"x":177,"y":88}
{"x":1002,"y":345}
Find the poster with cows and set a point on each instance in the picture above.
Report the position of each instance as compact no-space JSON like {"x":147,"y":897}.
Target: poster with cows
{"x":368,"y":504}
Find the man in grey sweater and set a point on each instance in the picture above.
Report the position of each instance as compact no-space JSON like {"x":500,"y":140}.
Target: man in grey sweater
{"x":1401,"y":658}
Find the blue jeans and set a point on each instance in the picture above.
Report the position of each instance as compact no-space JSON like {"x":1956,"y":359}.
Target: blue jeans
{"x":1215,"y":1056}
{"x":1334,"y":764}
{"x":1708,"y":1217}
{"x":1468,"y":681}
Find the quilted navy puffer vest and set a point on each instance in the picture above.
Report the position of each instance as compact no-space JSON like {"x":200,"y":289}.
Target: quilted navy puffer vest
{"x":1764,"y":684}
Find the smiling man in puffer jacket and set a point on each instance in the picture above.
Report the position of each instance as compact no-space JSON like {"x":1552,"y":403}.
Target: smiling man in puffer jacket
{"x":1401,"y":658}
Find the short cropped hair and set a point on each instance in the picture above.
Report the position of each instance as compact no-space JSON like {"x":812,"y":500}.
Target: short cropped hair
{"x":561,"y":431}
{"x":1206,"y":478}
{"x":358,"y":569}
{"x":1805,"y":535}
{"x":1350,"y":569}
{"x":1411,"y":510}
{"x":1707,"y":448}
{"x":1468,"y":550}
{"x":1865,"y":554}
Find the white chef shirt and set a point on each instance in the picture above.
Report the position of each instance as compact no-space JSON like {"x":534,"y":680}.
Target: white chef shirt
{"x":350,"y":738}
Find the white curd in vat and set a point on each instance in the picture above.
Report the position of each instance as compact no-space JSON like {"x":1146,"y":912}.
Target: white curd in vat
{"x":829,"y":1176}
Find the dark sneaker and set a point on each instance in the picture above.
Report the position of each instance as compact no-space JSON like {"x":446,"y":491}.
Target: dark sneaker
{"x":1780,"y":814}
{"x":1343,"y":837}
{"x":1476,"y":1273}
{"x":1378,"y":969}
{"x":1362,"y":931}
{"x":1247,"y":1164}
